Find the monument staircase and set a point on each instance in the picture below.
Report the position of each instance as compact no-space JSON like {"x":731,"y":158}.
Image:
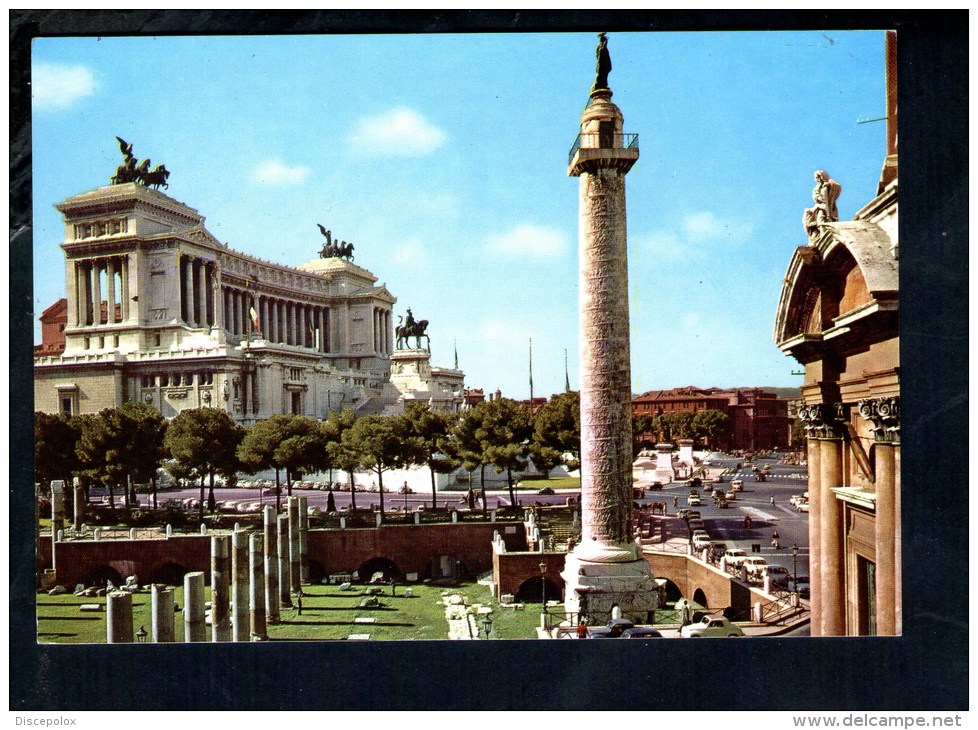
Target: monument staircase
{"x":557,"y":526}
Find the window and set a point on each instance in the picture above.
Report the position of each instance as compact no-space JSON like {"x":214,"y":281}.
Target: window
{"x":295,"y":373}
{"x":101,"y":342}
{"x":66,"y":405}
{"x":115,"y":340}
{"x":157,"y":339}
{"x":88,"y":343}
{"x":296,"y":403}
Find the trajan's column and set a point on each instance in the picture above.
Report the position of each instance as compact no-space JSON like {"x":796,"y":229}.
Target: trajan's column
{"x":606,"y":570}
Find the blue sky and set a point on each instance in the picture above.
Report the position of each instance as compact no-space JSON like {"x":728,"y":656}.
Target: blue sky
{"x":443,"y":158}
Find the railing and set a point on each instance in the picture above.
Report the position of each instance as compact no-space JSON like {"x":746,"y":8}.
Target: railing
{"x":596,"y":140}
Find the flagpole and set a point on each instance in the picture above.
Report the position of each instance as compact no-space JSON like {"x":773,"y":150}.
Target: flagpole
{"x":531,"y":375}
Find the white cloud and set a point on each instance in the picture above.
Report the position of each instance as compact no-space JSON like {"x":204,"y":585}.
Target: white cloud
{"x":410,"y":252}
{"x":529,"y":240}
{"x":700,"y":226}
{"x":58,"y":86}
{"x":400,"y":132}
{"x":276,"y":172}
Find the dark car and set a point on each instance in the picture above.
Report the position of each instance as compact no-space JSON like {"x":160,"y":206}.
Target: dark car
{"x":615,"y":628}
{"x":640,"y":632}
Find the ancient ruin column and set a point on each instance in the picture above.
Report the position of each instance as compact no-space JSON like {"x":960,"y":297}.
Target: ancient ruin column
{"x":57,"y":507}
{"x":78,"y":512}
{"x":304,"y":540}
{"x":815,"y":533}
{"x":256,"y":595}
{"x":271,"y":566}
{"x":885,"y":541}
{"x":295,"y":551}
{"x":830,"y":519}
{"x":194,"y":627}
{"x":118,"y":617}
{"x":607,"y":566}
{"x":284,"y":579}
{"x":220,"y":593}
{"x":161,"y":602}
{"x":239,"y":586}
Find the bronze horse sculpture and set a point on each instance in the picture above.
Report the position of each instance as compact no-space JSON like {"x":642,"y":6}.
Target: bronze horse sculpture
{"x":412,"y":328}
{"x":129,"y":171}
{"x":339,"y":249}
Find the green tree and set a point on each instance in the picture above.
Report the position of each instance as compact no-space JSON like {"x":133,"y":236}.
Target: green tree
{"x":55,"y":438}
{"x":205,"y":440}
{"x":556,"y":432}
{"x":341,"y":454}
{"x":294,"y":443}
{"x":711,"y":423}
{"x":102,"y":450}
{"x":427,"y":436}
{"x":681,"y":425}
{"x":643,"y":430}
{"x":380,"y":443}
{"x":504,"y":432}
{"x":799,"y":436}
{"x":145,"y":451}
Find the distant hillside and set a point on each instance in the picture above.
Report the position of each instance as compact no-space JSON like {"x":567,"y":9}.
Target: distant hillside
{"x":781,"y":392}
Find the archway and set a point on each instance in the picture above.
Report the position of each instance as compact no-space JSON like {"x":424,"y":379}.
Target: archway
{"x":699,"y":597}
{"x":170,"y":574}
{"x":673,"y":593}
{"x":446,"y":567}
{"x":316,"y":572}
{"x":98,"y":576}
{"x":530,"y":590}
{"x":385,"y":566}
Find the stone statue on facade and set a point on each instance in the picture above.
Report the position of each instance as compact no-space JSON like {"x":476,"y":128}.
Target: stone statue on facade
{"x":603,"y":67}
{"x":129,"y":171}
{"x":338,"y":249}
{"x":824,"y":195}
{"x":411,"y":328}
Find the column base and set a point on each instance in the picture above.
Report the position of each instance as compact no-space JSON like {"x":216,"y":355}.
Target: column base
{"x":594,"y":588}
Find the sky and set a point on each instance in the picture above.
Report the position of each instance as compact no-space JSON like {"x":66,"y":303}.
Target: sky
{"x":443,"y":158}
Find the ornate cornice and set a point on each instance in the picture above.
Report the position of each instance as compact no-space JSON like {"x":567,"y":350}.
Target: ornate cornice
{"x":884,"y":413}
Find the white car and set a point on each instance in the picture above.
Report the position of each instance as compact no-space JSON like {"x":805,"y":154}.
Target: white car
{"x":735,"y":556}
{"x":737,"y":485}
{"x":701,"y":542}
{"x":693,"y":501}
{"x":802,"y":507}
{"x":711,"y":626}
{"x":778,"y":574}
{"x":796,"y":498}
{"x":754,"y":567}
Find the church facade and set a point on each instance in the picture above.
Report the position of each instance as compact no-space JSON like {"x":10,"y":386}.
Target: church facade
{"x":159,"y":311}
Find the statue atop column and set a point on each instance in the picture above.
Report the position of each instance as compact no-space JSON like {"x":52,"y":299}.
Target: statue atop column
{"x":824,"y":195}
{"x":603,"y":66}
{"x":411,"y":328}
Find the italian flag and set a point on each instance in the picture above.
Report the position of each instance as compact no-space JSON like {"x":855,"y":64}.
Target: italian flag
{"x":254,"y":319}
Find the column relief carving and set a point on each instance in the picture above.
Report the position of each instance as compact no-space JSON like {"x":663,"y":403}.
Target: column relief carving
{"x":824,"y":420}
{"x":884,"y":413}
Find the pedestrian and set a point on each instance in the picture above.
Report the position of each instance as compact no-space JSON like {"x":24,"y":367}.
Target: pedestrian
{"x":393,"y":587}
{"x":581,"y":630}
{"x":675,"y":501}
{"x":298,"y":604}
{"x":772,"y":500}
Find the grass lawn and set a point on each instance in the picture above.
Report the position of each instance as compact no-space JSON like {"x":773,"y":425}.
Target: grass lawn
{"x":553,"y":483}
{"x":327,"y":614}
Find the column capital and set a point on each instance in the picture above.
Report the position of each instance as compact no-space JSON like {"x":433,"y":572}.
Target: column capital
{"x":884,"y":413}
{"x":824,"y":420}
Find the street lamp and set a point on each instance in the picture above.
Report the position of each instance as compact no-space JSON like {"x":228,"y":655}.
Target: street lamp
{"x":141,"y":635}
{"x":543,"y":594}
{"x":794,"y":554}
{"x":487,"y":624}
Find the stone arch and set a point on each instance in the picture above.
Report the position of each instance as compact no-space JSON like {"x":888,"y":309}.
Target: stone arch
{"x":530,"y":590}
{"x":378,"y":564}
{"x":98,"y":576}
{"x":699,"y":596}
{"x":317,"y":572}
{"x":169,"y":573}
{"x":673,"y":592}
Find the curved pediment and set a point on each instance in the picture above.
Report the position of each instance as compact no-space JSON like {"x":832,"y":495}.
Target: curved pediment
{"x":848,"y":268}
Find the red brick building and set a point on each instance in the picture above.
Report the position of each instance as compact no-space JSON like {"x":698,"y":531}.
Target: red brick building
{"x":53,"y":322}
{"x":759,"y":419}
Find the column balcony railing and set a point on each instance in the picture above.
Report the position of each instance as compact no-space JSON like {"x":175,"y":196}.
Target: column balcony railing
{"x":595,"y":140}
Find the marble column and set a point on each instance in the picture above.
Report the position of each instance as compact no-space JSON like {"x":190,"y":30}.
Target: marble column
{"x":831,"y":528}
{"x":161,"y":602}
{"x":815,"y":533}
{"x":96,"y":292}
{"x":295,"y":557}
{"x":110,"y":293}
{"x":284,"y":579}
{"x":209,"y":295}
{"x":201,"y":292}
{"x":258,"y":628}
{"x":897,"y":545}
{"x":607,"y":566}
{"x":885,"y":541}
{"x":220,"y":593}
{"x":271,"y":566}
{"x":239,"y":586}
{"x":187,"y":265}
{"x":194,"y":626}
{"x":304,"y":540}
{"x":125,"y":287}
{"x":118,"y":617}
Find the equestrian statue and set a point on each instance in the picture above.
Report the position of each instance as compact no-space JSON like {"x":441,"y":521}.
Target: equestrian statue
{"x":129,"y":171}
{"x":411,"y":328}
{"x":337,"y":250}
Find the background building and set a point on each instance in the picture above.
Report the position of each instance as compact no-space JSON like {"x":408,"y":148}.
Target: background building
{"x":838,"y":316}
{"x":161,"y":312}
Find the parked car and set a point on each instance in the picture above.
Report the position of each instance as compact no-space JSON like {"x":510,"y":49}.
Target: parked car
{"x":640,"y":632}
{"x":711,"y":626}
{"x":735,"y":556}
{"x":719,"y":550}
{"x":778,"y":574}
{"x":694,"y":514}
{"x":754,"y":567}
{"x":800,"y":585}
{"x":701,"y":542}
{"x":614,"y":628}
{"x":696,"y":525}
